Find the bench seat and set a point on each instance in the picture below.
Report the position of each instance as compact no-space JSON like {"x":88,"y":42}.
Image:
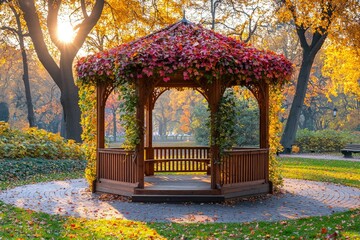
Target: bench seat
{"x":179,"y":165}
{"x":349,"y":149}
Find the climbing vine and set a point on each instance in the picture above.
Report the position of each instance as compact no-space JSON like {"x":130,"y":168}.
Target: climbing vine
{"x":275,"y":129}
{"x":226,"y":122}
{"x":87,"y":103}
{"x":129,"y":121}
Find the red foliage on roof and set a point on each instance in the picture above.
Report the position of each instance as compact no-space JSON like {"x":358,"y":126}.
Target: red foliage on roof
{"x":189,"y":49}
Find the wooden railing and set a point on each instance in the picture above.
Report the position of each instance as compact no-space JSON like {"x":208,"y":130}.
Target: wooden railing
{"x":246,"y":165}
{"x":117,"y":165}
{"x":177,"y":159}
{"x":181,"y":152}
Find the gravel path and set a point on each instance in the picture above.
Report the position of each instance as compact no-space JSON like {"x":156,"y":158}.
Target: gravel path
{"x":300,"y":199}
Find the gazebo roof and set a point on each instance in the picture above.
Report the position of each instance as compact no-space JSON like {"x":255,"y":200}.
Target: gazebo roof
{"x":187,"y":50}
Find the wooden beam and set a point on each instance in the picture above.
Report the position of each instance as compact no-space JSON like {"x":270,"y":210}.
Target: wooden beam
{"x":264,"y":123}
{"x":264,"y":115}
{"x":100,"y":110}
{"x":100,"y":125}
{"x":139,"y":151}
{"x":149,"y":168}
{"x":215,"y":93}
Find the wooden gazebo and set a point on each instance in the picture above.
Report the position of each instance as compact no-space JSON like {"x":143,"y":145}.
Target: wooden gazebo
{"x":183,"y":55}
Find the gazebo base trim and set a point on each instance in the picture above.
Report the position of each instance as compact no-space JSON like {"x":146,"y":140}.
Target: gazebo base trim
{"x":200,"y":192}
{"x":178,"y":198}
{"x":183,"y":191}
{"x":247,"y":189}
{"x":114,"y":187}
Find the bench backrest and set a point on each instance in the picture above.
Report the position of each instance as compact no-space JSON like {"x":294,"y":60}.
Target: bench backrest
{"x":352,"y":146}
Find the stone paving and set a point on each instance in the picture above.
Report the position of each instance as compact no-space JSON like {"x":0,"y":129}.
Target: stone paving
{"x":300,"y":199}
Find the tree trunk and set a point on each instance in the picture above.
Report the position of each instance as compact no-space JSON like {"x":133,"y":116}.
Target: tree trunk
{"x":63,"y":75}
{"x":311,"y":43}
{"x":29,"y":104}
{"x":289,"y":134}
{"x":20,"y":35}
{"x":69,"y":100}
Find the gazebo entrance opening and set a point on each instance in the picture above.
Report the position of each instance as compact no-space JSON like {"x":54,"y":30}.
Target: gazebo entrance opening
{"x":171,"y":146}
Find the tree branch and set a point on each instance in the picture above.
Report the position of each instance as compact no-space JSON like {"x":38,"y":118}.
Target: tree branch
{"x":33,"y":23}
{"x":301,"y":34}
{"x":86,"y":26}
{"x":13,"y":30}
{"x":52,"y":21}
{"x":83,"y":9}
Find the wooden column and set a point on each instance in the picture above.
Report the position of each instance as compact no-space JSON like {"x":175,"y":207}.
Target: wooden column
{"x":264,"y":116}
{"x":100,"y":111}
{"x":149,"y":167}
{"x":100,"y":125}
{"x":264,"y":122}
{"x":140,"y":92}
{"x":214,"y":94}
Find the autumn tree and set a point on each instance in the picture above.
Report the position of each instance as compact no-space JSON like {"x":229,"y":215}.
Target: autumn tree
{"x":313,"y":20}
{"x":341,"y":65}
{"x":112,"y":113}
{"x":163,"y":114}
{"x":242,"y":119}
{"x":11,"y":90}
{"x":4,"y":112}
{"x":61,"y":69}
{"x":4,"y":71}
{"x":14,"y":27}
{"x":125,"y":21}
{"x":183,"y":103}
{"x":240,"y":19}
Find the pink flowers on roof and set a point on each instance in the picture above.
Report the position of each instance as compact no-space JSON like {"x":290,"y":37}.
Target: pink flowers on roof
{"x":188,"y":49}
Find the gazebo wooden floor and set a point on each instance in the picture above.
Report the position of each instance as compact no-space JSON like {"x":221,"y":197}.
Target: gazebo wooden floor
{"x":177,"y":188}
{"x":173,"y":182}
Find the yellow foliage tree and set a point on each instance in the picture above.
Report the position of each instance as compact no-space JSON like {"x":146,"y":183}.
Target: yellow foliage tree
{"x":314,"y":21}
{"x":341,"y":65}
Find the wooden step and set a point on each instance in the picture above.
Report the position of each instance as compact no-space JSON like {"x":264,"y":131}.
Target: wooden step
{"x":167,"y":191}
{"x":177,"y":198}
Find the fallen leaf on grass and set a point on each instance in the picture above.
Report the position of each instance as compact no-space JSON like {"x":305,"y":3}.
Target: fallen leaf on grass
{"x":332,"y":236}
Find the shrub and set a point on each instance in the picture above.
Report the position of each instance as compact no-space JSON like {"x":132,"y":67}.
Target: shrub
{"x":36,"y":143}
{"x":323,"y":140}
{"x":12,"y":169}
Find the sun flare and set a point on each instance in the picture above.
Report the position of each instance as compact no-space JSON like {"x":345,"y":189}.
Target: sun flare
{"x":65,"y":32}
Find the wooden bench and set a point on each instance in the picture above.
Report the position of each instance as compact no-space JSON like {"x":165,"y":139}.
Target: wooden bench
{"x":349,"y":149}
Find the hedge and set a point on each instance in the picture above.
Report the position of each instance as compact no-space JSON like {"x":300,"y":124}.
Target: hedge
{"x":324,"y":140}
{"x":15,"y":169}
{"x":36,"y":143}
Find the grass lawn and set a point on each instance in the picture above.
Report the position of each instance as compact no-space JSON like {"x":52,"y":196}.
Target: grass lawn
{"x":18,"y":223}
{"x":335,"y":171}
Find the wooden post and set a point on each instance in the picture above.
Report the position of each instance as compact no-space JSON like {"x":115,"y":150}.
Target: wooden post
{"x":100,"y":127}
{"x":264,"y":123}
{"x":264,"y":116}
{"x":140,"y":92}
{"x":149,"y":166}
{"x":214,"y":97}
{"x":100,"y":111}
